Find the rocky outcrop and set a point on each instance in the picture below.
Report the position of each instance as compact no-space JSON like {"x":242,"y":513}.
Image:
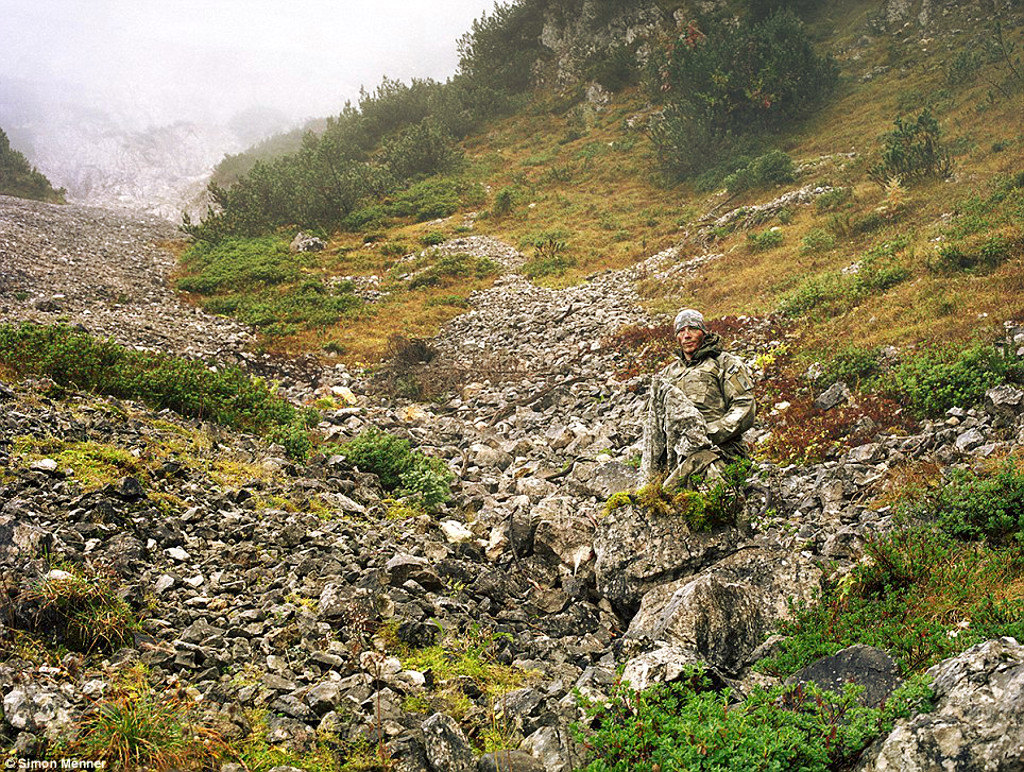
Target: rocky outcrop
{"x":724,"y":612}
{"x":976,"y":723}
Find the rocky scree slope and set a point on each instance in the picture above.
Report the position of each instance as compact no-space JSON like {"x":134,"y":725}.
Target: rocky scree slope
{"x":268,"y":585}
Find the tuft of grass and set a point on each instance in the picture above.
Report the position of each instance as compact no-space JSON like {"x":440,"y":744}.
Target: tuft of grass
{"x":78,"y":608}
{"x":458,"y":661}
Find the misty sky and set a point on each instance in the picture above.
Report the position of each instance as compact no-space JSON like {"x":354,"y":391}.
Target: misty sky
{"x":207,"y":59}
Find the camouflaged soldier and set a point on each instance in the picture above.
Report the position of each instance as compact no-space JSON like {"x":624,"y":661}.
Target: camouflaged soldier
{"x":700,"y":405}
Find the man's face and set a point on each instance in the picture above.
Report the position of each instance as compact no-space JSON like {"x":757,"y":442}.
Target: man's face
{"x":690,"y":339}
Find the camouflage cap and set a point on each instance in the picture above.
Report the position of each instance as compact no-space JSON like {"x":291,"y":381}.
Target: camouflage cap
{"x":688,"y":317}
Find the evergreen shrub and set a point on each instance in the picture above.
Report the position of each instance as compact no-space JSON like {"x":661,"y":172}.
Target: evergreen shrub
{"x":401,"y":470}
{"x":689,"y":726}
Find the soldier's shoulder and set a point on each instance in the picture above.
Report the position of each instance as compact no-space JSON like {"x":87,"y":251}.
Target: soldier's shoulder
{"x":672,"y":368}
{"x":730,"y":362}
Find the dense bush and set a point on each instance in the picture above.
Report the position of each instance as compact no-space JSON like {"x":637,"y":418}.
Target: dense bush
{"x":402,"y":471}
{"x":766,"y":171}
{"x":722,"y":80}
{"x":19,"y":178}
{"x":420,"y":150}
{"x":689,"y":726}
{"x":912,"y":151}
{"x":976,"y":507}
{"x":936,"y":379}
{"x":921,"y":595}
{"x":74,"y":359}
{"x":499,"y":51}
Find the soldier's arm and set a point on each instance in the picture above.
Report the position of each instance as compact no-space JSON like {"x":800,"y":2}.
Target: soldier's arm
{"x":738,"y":390}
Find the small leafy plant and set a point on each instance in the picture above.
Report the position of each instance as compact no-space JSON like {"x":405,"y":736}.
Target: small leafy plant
{"x":402,"y":471}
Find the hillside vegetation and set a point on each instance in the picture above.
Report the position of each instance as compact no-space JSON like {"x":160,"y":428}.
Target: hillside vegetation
{"x":19,"y":178}
{"x":909,"y":137}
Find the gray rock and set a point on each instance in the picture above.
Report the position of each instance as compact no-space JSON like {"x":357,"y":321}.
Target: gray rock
{"x":486,"y":457}
{"x":663,"y":665}
{"x":727,"y":610}
{"x":1004,"y":403}
{"x":563,"y":534}
{"x":969,"y":440}
{"x":509,"y":761}
{"x":38,"y":709}
{"x":402,"y":568}
{"x":833,"y":396}
{"x":303,"y":242}
{"x":859,"y":664}
{"x":607,"y":479}
{"x":625,"y":571}
{"x":324,"y":697}
{"x":447,"y":748}
{"x":554,"y":748}
{"x":977,"y":723}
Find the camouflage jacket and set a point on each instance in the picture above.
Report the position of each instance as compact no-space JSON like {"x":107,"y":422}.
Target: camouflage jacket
{"x":695,"y":405}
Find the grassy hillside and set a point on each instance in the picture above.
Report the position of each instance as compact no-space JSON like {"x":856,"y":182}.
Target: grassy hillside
{"x":19,"y":178}
{"x":581,"y":188}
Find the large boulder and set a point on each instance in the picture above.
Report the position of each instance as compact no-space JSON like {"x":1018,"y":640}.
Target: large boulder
{"x":637,"y":551}
{"x":724,"y":612}
{"x":978,"y":721}
{"x":564,"y":533}
{"x":447,"y":748}
{"x":859,"y":664}
{"x":1004,"y":403}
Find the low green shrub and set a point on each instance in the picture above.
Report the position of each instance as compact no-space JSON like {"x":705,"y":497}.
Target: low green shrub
{"x":880,"y":269}
{"x":766,"y":171}
{"x":688,"y":726}
{"x":235,"y":264}
{"x":976,"y":507}
{"x":551,"y":254}
{"x":817,"y":240}
{"x":933,"y":380}
{"x":921,"y":595}
{"x":833,"y":199}
{"x":852,"y":365}
{"x":432,"y":239}
{"x":74,"y":359}
{"x":829,"y":293}
{"x":449,"y":268}
{"x":912,"y":151}
{"x":402,"y":471}
{"x":984,"y":255}
{"x":762,"y":242}
{"x":504,"y":201}
{"x":434,"y":198}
